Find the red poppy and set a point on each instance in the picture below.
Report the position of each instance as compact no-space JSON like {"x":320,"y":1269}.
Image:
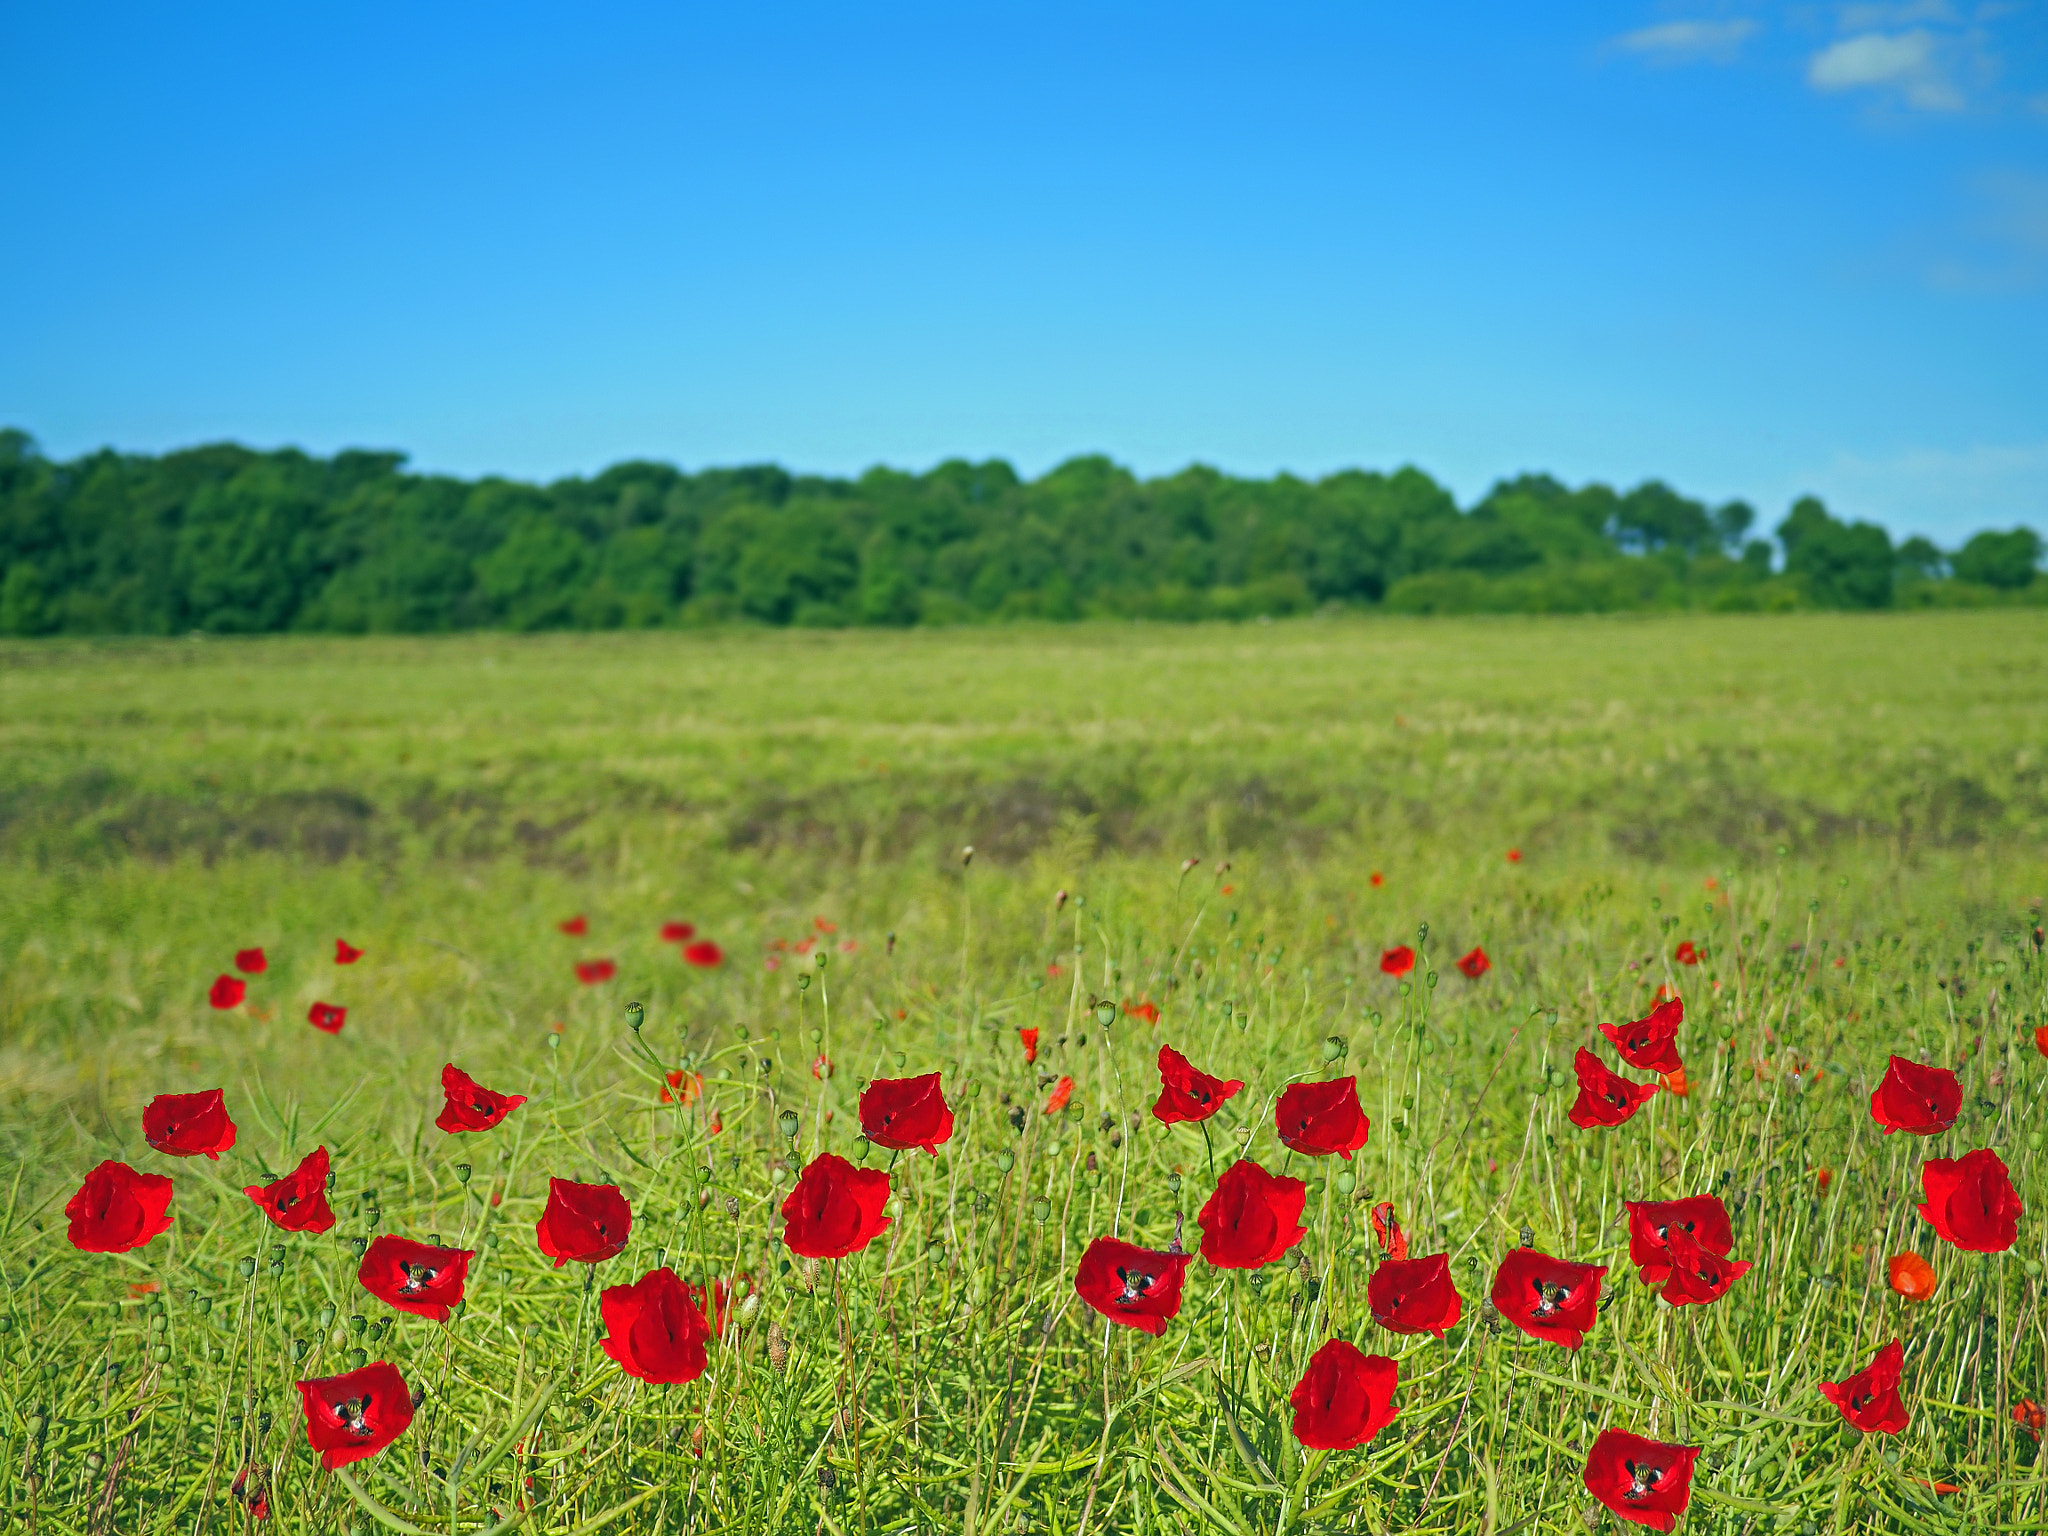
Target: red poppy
{"x":576,"y":926}
{"x":470,"y":1106}
{"x":352,"y":1417}
{"x":1677,"y":1082}
{"x":326,"y":1016}
{"x":1911,"y":1276}
{"x":835,"y":1209}
{"x":1870,"y":1399}
{"x":685,"y":1085}
{"x":1702,"y":1218}
{"x":584,"y":1222}
{"x":711,"y":1301}
{"x":1822,"y":1178}
{"x":1916,"y":1099}
{"x":1645,"y":1482}
{"x":1344,"y":1398}
{"x":1550,"y":1299}
{"x":1685,"y":954}
{"x":1137,"y":1287}
{"x":189,"y":1124}
{"x":251,"y":961}
{"x":1062,"y":1092}
{"x":1398,"y":961}
{"x":1029,"y":1039}
{"x":704,"y":953}
{"x":346,"y":953}
{"x":904,"y":1112}
{"x":227,"y":991}
{"x":1387,"y":1231}
{"x":298,"y":1201}
{"x":117,"y":1209}
{"x":653,"y":1329}
{"x":1415,"y":1295}
{"x":1144,"y":1009}
{"x":1605,"y":1098}
{"x":1514,"y":855}
{"x":1252,"y":1218}
{"x":1474,"y":963}
{"x":1378,"y":879}
{"x":821,"y":1066}
{"x":1650,"y":1045}
{"x":1698,"y":1276}
{"x":1316,"y":1119}
{"x":676,"y":933}
{"x":1185,"y":1093}
{"x":1971,"y":1202}
{"x":591,"y":972}
{"x":2030,"y":1416}
{"x":419,"y":1278}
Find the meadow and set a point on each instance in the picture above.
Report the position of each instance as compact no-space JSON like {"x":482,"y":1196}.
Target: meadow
{"x":1825,"y":834}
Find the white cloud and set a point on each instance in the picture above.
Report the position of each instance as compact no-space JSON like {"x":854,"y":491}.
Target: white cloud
{"x":1868,"y":18}
{"x":1676,"y":42}
{"x":1904,"y":61}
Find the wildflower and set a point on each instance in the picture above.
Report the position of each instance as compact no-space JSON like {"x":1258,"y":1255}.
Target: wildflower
{"x":591,"y":972}
{"x":1971,"y":1202}
{"x":117,"y":1209}
{"x":1677,"y":1082}
{"x":712,"y":1299}
{"x":1415,"y":1295}
{"x":1387,"y":1231}
{"x":1870,"y":1399}
{"x":1701,"y":1218}
{"x":1699,"y":1276}
{"x":904,"y":1112}
{"x":677,"y":933}
{"x":1474,"y":963}
{"x":351,"y":1417}
{"x":189,"y":1124}
{"x":1028,"y":1038}
{"x":584,"y":1222}
{"x":251,"y":1488}
{"x":470,"y":1106}
{"x":1645,"y":1482}
{"x":704,"y":953}
{"x":1550,"y":1299}
{"x":1650,"y":1045}
{"x":822,"y":926}
{"x":2030,"y":1416}
{"x":1138,"y":1287}
{"x":1919,"y":1100}
{"x":1062,"y":1092}
{"x":821,"y":1066}
{"x":1344,"y":1398}
{"x":327,"y":1017}
{"x":685,"y":1085}
{"x":346,"y":953}
{"x":1514,"y":855}
{"x":836,"y":1209}
{"x":424,"y":1279}
{"x":653,"y":1329}
{"x":2041,"y":1039}
{"x":1398,"y":961}
{"x":227,"y":991}
{"x":1378,"y":879}
{"x":251,"y":962}
{"x":1185,"y":1093}
{"x":137,"y":1289}
{"x":1685,"y":954}
{"x":1144,"y":1009}
{"x":576,"y":926}
{"x":1605,"y":1098}
{"x":1252,"y":1218}
{"x":1317,"y":1119}
{"x":1822,"y":1178}
{"x":298,"y":1201}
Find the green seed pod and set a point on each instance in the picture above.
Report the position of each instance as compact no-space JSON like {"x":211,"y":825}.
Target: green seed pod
{"x":788,"y":1123}
{"x":246,"y":1267}
{"x":1334,"y":1048}
{"x":1430,"y":980}
{"x":327,"y":1316}
{"x":554,"y":1042}
{"x":1041,"y":1210}
{"x":902,"y":1061}
{"x":462,"y":1172}
{"x":299,"y":1348}
{"x":636,"y":1015}
{"x":1005,"y":1161}
{"x":803,"y":981}
{"x":1105,"y":1012}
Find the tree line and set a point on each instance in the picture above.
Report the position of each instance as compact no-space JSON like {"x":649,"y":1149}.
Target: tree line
{"x":227,"y":539}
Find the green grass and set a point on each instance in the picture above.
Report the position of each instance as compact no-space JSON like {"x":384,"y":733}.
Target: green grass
{"x":1868,"y":791}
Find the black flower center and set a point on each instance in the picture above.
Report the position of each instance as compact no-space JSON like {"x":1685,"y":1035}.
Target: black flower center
{"x":1136,"y":1284}
{"x":1642,"y":1480}
{"x":354,"y":1415}
{"x":417,"y":1278}
{"x":1550,"y":1298}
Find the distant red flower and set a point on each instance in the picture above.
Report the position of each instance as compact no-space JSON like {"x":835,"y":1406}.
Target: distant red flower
{"x":836,"y":1209}
{"x":1344,"y":1398}
{"x":1137,"y":1287}
{"x":704,"y":953}
{"x":1916,"y":1099}
{"x":1685,"y":954}
{"x":821,"y":1066}
{"x":1317,"y":1119}
{"x":1185,"y":1092}
{"x":1415,"y":1295}
{"x":576,"y":926}
{"x":140,"y":1288}
{"x":1822,"y":1178}
{"x":1702,"y":1218}
{"x":1870,"y":1399}
{"x":653,"y":1329}
{"x":822,"y":926}
{"x":1971,"y":1202}
{"x":328,"y":1017}
{"x":1911,"y":1276}
{"x":675,"y":933}
{"x":1550,"y":1299}
{"x":346,"y":953}
{"x":1677,"y":1082}
{"x":1645,"y":1482}
{"x":2030,"y":1416}
{"x":421,"y":1278}
{"x":1387,"y":1231}
{"x":1062,"y":1091}
{"x":470,"y":1106}
{"x":712,"y":1301}
{"x":1650,"y":1045}
{"x":1378,"y":879}
{"x":1144,"y":1009}
{"x":1398,"y":961}
{"x":1252,"y":1218}
{"x":686,"y":1086}
{"x":251,"y":961}
{"x":298,"y":1201}
{"x":227,"y":991}
{"x":904,"y":1112}
{"x":189,"y":1124}
{"x":584,"y":1222}
{"x":591,"y":972}
{"x":1029,"y":1039}
{"x":1514,"y":855}
{"x":1474,"y":963}
{"x":1605,"y":1098}
{"x":1698,"y":1276}
{"x":117,"y":1209}
{"x":2041,"y":1039}
{"x":352,"y":1417}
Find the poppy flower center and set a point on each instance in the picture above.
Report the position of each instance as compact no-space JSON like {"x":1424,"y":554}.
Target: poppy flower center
{"x":1643,"y":1481}
{"x":1199,"y":1095}
{"x":1550,"y":1298}
{"x":287,"y":1200}
{"x":354,"y":1415}
{"x":481,"y":1107}
{"x":1136,"y":1284}
{"x":417,"y":1277}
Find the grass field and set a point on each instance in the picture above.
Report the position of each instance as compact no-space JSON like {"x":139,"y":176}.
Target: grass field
{"x":1846,"y":817}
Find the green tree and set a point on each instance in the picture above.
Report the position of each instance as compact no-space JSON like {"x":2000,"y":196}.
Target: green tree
{"x":2005,"y":560}
{"x":1841,"y":565}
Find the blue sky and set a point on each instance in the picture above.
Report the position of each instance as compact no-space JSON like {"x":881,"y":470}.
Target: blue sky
{"x":1753,"y":249}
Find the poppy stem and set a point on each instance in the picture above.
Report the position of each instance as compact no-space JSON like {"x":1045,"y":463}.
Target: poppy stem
{"x":1211,"y":1145}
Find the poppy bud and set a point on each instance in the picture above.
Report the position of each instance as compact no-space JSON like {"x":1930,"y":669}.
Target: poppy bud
{"x":803,"y":981}
{"x":1528,"y":1235}
{"x":1334,"y":1048}
{"x":1041,"y":1210}
{"x":1105,"y":1013}
{"x":1005,"y":1161}
{"x":326,"y":1315}
{"x":788,"y":1124}
{"x":1422,"y":933}
{"x":247,"y":1267}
